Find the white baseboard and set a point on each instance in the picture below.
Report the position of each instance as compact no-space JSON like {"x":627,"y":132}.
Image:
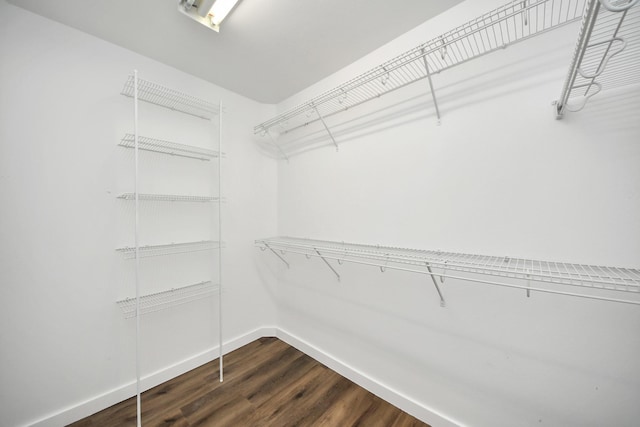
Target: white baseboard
{"x":410,"y":406}
{"x":97,"y":403}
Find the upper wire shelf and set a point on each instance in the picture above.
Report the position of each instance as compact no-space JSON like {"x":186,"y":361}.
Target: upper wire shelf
{"x":170,"y":298}
{"x":166,"y":147}
{"x":580,"y":280}
{"x":129,"y":252}
{"x":607,"y":53}
{"x":511,"y":23}
{"x":168,"y":198}
{"x":163,"y":96}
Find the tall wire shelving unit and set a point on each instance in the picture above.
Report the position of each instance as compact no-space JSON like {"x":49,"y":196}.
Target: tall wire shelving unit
{"x":133,"y":307}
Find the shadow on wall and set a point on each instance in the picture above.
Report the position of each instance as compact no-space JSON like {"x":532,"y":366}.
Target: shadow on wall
{"x":326,"y":316}
{"x":465,"y":86}
{"x":609,"y":113}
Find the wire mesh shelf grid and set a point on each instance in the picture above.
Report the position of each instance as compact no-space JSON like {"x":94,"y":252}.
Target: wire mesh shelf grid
{"x":545,"y":272}
{"x":129,"y":252}
{"x":166,"y":299}
{"x":168,"y":198}
{"x":168,"y":147}
{"x":511,"y":23}
{"x":163,"y":96}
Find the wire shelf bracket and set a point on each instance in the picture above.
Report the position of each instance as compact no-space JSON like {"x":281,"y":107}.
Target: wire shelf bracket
{"x":172,"y":99}
{"x":516,"y":21}
{"x":435,"y":283}
{"x":280,"y":257}
{"x":614,"y":284}
{"x":327,"y":262}
{"x":606,"y":55}
{"x":325,"y":126}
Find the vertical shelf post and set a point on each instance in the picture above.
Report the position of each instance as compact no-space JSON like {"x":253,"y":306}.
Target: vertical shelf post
{"x":137,"y":245}
{"x":220,"y":239}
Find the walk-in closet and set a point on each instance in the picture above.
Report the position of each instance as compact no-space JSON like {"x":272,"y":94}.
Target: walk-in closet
{"x":336,"y":213}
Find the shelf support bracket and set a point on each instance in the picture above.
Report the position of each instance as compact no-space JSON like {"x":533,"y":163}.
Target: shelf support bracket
{"x":433,"y":92}
{"x":325,"y":125}
{"x":435,"y":282}
{"x":276,"y":254}
{"x":273,"y":141}
{"x":328,"y":265}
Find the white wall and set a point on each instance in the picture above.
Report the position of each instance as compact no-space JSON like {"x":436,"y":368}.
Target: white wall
{"x":499,"y":176}
{"x":66,"y":350}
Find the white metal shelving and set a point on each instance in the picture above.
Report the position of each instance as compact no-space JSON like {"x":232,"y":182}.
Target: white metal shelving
{"x":129,"y":252}
{"x":168,"y":198}
{"x":587,"y":281}
{"x":168,"y":147}
{"x":172,"y":99}
{"x":516,"y":21}
{"x":143,"y":90}
{"x":607,"y":53}
{"x":166,"y":299}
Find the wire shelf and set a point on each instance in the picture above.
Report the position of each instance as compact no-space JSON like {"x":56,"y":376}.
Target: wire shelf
{"x":556,"y":276}
{"x":168,"y":198}
{"x":606,"y":56}
{"x":129,"y":252}
{"x":166,"y":147}
{"x":166,"y":299}
{"x":511,"y":23}
{"x":163,"y":96}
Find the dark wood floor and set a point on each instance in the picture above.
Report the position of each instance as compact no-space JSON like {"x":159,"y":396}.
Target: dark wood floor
{"x":266,"y":383}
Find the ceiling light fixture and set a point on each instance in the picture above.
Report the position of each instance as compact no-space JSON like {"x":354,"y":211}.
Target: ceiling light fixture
{"x":209,"y":13}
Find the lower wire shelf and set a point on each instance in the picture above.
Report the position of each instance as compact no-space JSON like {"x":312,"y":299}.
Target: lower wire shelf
{"x":587,"y":281}
{"x":168,"y":198}
{"x":129,"y":252}
{"x":170,"y":298}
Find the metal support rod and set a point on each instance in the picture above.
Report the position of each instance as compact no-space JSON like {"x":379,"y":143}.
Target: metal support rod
{"x":276,"y":254}
{"x":325,"y":126}
{"x":328,"y":265}
{"x":220,"y":240}
{"x":435,"y":282}
{"x":273,"y":140}
{"x":137,"y":244}
{"x":433,"y":92}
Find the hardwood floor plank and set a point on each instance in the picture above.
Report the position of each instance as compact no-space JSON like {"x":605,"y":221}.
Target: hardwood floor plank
{"x":266,"y":413}
{"x":406,"y":420}
{"x":267,"y":383}
{"x":296,"y":405}
{"x":379,"y":414}
{"x":346,"y":411}
{"x":280,"y":378}
{"x":168,"y":419}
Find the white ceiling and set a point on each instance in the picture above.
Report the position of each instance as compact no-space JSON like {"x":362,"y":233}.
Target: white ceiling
{"x":266,"y":50}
